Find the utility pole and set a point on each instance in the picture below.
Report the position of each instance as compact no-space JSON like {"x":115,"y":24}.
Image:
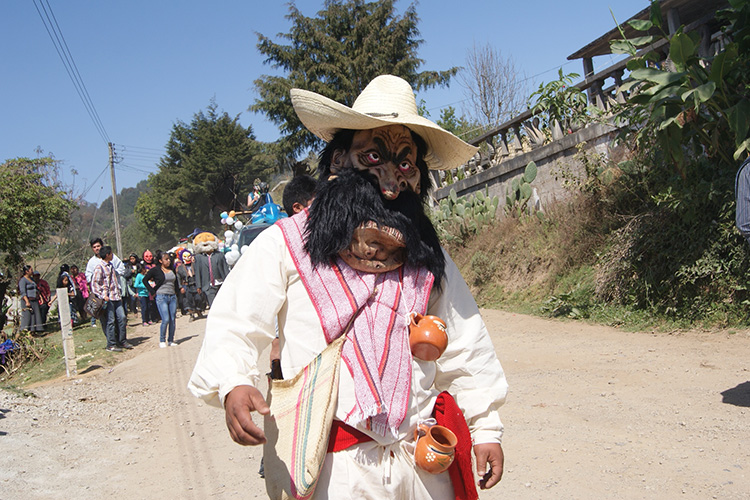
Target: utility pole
{"x":114,"y":198}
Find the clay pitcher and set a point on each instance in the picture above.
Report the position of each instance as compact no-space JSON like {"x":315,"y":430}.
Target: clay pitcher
{"x":427,"y":337}
{"x":435,"y":448}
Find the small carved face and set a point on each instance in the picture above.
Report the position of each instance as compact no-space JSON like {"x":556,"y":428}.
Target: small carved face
{"x":388,"y":153}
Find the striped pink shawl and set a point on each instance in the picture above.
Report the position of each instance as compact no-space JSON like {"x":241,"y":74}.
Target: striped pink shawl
{"x":376,"y":350}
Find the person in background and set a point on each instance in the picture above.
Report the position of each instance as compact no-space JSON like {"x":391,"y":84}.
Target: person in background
{"x":188,"y":288}
{"x":106,"y":285}
{"x":79,"y":280}
{"x":161,"y":282}
{"x":133,"y":265}
{"x":64,"y":280}
{"x":45,"y":295}
{"x":142,"y":292}
{"x":149,"y":263}
{"x":298,"y":194}
{"x":210,"y":265}
{"x":119,"y":267}
{"x":254,"y":196}
{"x":742,"y":199}
{"x":31,"y":316}
{"x":176,"y":264}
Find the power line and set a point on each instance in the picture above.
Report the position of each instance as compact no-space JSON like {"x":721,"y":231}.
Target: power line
{"x":132,"y":168}
{"x":85,"y":192}
{"x":161,"y":150}
{"x":58,"y":40}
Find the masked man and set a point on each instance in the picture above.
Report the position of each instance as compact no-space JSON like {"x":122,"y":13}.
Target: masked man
{"x":361,"y":260}
{"x":210,"y":265}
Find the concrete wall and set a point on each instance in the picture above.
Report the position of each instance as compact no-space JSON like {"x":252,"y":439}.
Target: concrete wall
{"x":550,"y":159}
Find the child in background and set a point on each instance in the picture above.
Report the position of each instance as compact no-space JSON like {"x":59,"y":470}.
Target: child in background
{"x":63,"y":281}
{"x":140,"y":288}
{"x":79,"y":280}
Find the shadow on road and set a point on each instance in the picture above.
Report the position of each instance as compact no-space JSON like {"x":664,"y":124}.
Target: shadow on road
{"x":737,"y":396}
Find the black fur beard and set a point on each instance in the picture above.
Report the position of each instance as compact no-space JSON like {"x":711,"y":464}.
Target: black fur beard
{"x":353,"y":197}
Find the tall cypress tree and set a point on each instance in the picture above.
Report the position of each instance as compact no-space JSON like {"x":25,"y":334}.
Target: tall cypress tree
{"x":336,"y":54}
{"x":208,"y":168}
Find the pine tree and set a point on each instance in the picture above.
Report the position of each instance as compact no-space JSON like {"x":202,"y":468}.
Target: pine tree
{"x":208,"y":168}
{"x":337,"y":54}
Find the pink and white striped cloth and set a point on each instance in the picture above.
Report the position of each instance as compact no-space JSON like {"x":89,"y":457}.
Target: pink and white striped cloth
{"x":377,"y":306}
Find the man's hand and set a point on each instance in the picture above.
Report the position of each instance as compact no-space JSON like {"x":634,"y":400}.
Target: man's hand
{"x":489,"y":454}
{"x":238,"y":404}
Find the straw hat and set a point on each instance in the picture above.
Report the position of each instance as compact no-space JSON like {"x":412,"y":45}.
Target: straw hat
{"x":387,"y":100}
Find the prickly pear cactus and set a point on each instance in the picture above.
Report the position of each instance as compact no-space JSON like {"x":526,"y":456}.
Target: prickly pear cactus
{"x":519,"y":192}
{"x":456,"y":218}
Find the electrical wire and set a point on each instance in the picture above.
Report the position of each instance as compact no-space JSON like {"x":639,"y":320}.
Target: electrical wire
{"x":85,"y":191}
{"x":58,"y":40}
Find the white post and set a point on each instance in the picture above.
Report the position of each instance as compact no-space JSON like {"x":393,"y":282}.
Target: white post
{"x":69,"y":346}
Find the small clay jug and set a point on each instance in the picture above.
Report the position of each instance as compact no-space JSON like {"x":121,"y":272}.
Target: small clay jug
{"x":435,"y":448}
{"x":427,"y":337}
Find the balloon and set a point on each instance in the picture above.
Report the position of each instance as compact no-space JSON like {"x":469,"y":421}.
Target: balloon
{"x":238,"y":224}
{"x":232,"y":257}
{"x":230,"y":220}
{"x":223,"y":220}
{"x":228,"y":235}
{"x":235,"y":248}
{"x":232,"y":213}
{"x":224,"y":215}
{"x":244,"y":249}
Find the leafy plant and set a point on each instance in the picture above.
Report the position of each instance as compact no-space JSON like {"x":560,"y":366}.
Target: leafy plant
{"x":559,"y":101}
{"x":689,"y":104}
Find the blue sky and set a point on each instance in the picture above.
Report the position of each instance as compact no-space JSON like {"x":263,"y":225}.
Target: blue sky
{"x":147,"y":64}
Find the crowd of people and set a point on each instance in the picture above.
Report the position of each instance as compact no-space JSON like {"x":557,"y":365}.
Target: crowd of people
{"x":155,"y":285}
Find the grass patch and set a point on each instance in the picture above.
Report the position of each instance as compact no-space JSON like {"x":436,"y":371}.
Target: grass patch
{"x":89,"y":345}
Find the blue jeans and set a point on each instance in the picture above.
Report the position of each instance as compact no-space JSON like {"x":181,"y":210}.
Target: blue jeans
{"x":114,"y":313}
{"x":167,"y":305}
{"x":145,"y":308}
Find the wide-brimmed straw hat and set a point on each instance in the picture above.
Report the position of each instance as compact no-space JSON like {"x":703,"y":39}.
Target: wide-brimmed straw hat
{"x":387,"y":100}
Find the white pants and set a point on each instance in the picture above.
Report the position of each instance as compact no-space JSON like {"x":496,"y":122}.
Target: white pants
{"x":371,"y":471}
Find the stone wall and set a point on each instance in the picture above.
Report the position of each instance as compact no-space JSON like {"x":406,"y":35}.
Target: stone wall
{"x":550,"y":160}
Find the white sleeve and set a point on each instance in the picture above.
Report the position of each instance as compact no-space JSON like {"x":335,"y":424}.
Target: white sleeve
{"x":242,"y":320}
{"x":90,"y":266}
{"x":469,"y":369}
{"x":118,"y":265}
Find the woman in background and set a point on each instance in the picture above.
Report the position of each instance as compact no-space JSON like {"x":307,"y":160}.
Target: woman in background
{"x":31,"y":316}
{"x":161,"y":282}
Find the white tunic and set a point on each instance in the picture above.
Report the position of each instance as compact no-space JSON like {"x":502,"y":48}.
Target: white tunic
{"x":264,"y":285}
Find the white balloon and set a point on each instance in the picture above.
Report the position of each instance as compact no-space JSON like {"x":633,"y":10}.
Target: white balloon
{"x":238,"y":224}
{"x":228,"y":235}
{"x":231,"y":259}
{"x":235,"y":248}
{"x":230,"y":220}
{"x":244,"y":249}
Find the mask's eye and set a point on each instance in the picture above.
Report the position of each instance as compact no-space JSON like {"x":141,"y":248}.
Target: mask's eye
{"x":372,"y":158}
{"x":405,"y":166}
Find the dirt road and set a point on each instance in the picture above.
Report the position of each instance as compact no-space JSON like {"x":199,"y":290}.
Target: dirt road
{"x":593,"y":413}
